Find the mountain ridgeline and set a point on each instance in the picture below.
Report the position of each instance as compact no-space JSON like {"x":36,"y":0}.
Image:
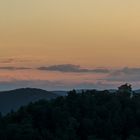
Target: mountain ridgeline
{"x":89,"y":115}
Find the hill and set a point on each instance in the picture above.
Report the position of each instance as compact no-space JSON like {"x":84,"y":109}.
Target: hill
{"x":12,"y":100}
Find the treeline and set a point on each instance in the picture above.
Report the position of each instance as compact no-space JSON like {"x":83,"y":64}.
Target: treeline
{"x":90,"y":115}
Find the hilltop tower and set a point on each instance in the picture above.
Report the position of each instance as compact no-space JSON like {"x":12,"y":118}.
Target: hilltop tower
{"x":125,"y":90}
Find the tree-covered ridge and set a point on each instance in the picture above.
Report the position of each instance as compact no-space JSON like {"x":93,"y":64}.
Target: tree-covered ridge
{"x":90,"y":115}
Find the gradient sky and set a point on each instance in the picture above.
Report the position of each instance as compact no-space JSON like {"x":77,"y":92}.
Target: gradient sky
{"x":91,"y":33}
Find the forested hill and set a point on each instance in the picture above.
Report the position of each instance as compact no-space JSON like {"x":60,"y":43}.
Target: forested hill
{"x":12,"y":100}
{"x":91,"y":115}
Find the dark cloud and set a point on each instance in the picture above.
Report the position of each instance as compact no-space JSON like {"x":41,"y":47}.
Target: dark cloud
{"x":72,"y":68}
{"x":14,"y":68}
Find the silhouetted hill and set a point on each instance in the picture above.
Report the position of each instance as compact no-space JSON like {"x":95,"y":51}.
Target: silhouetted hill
{"x":16,"y":98}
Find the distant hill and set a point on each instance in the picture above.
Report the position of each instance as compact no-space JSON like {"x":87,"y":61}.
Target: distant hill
{"x":137,"y":91}
{"x":60,"y":93}
{"x":12,"y":100}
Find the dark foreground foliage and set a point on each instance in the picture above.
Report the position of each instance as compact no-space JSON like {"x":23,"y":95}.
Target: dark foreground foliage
{"x":90,"y":115}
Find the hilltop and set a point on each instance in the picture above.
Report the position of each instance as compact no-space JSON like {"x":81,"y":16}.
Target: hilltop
{"x":13,"y":99}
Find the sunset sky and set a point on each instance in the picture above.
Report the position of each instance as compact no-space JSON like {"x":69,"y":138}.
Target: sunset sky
{"x":65,"y":44}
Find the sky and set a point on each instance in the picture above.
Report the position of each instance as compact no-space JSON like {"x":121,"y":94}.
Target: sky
{"x":67,"y":44}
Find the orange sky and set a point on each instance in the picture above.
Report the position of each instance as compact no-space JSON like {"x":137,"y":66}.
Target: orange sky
{"x":90,"y":33}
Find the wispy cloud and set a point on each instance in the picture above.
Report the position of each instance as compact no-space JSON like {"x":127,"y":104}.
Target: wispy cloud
{"x":73,"y":68}
{"x":128,"y":71}
{"x":7,"y":60}
{"x":14,"y":68}
{"x":111,"y":78}
{"x":89,"y":78}
{"x":14,"y":60}
{"x":125,"y":74}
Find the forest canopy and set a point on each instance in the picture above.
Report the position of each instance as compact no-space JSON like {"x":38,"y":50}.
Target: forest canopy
{"x":89,"y":115}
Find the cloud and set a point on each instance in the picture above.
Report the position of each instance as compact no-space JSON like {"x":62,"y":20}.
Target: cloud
{"x":8,"y":60}
{"x":113,"y":79}
{"x":127,"y":70}
{"x":14,"y":68}
{"x":73,"y":68}
{"x":126,"y":74}
{"x":14,"y":60}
